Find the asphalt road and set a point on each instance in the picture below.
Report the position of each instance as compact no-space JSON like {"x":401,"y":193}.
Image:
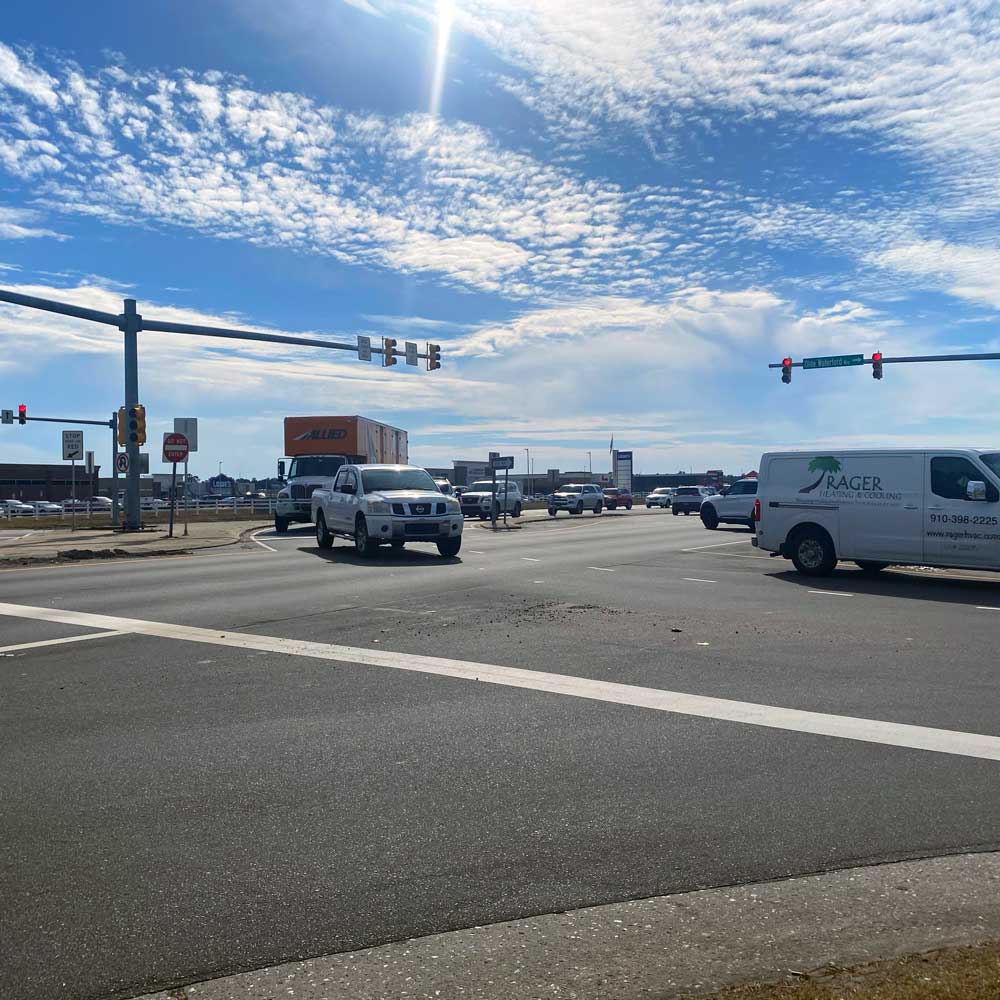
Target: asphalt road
{"x":179,"y":808}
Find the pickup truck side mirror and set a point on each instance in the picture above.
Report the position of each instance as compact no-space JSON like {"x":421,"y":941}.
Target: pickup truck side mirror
{"x":975,"y":490}
{"x":348,"y":488}
{"x":281,"y":470}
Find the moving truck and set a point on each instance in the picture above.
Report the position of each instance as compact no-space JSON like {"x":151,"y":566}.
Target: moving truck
{"x":923,"y":507}
{"x":318,"y":446}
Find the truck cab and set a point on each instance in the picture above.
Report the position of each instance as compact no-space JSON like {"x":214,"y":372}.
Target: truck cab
{"x":305,"y":474}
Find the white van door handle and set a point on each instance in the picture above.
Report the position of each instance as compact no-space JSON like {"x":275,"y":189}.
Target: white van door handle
{"x":913,"y":506}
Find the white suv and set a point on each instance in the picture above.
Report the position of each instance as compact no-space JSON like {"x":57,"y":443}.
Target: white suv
{"x":660,"y":497}
{"x":479,"y":497}
{"x":377,"y":505}
{"x":734,"y":505}
{"x":576,"y":498}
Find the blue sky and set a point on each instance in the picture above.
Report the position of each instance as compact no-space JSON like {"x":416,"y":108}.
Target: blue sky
{"x":611,"y":215}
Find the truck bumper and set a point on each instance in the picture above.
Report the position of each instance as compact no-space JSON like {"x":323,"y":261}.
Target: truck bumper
{"x":391,"y":529}
{"x":293,"y":510}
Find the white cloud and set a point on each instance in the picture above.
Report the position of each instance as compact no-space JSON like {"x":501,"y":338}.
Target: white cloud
{"x":14,"y":225}
{"x":968,"y":272}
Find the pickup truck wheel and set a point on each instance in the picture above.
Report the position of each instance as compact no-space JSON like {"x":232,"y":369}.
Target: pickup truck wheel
{"x":449,"y":547}
{"x":281,"y":525}
{"x":363,"y":542}
{"x":323,"y":537}
{"x":709,"y":518}
{"x":813,"y":553}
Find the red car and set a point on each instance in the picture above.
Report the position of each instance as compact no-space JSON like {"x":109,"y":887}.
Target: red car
{"x":614,"y":497}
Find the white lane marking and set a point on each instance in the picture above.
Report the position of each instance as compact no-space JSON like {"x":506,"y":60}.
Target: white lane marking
{"x":694,"y":579}
{"x":59,"y":642}
{"x":717,"y":545}
{"x":477,"y":552}
{"x":406,"y":611}
{"x":254,"y":538}
{"x":748,"y":713}
{"x":529,"y":559}
{"x":985,"y":607}
{"x":601,"y":569}
{"x":830,"y":593}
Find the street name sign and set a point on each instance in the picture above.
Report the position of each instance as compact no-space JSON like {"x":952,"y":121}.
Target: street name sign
{"x":834,"y":361}
{"x":503,"y":462}
{"x":364,"y":348}
{"x":72,"y":442}
{"x":175,"y":448}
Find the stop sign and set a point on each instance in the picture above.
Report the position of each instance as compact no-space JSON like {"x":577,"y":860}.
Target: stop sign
{"x":175,"y":448}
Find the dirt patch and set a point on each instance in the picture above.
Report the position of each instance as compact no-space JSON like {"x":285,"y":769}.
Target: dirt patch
{"x":971,"y":973}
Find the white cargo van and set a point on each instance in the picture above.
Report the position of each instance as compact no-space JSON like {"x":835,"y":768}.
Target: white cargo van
{"x":934,"y":507}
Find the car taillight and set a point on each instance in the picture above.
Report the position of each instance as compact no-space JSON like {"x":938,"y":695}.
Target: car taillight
{"x":756,"y":509}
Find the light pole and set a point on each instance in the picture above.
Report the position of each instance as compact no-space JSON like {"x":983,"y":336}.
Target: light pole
{"x":527,"y":468}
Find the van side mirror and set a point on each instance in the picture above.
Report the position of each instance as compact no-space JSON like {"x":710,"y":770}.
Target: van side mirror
{"x":975,"y":490}
{"x":281,"y":470}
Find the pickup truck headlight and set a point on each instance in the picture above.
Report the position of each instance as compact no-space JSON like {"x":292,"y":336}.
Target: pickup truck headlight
{"x":379,"y":507}
{"x":454,"y":507}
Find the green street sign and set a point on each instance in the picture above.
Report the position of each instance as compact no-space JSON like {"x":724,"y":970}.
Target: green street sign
{"x":835,"y":361}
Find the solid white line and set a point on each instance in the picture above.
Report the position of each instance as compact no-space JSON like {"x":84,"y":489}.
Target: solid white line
{"x":601,"y":569}
{"x":529,"y":559}
{"x":985,"y":607}
{"x":477,"y":552}
{"x":748,"y":713}
{"x":59,"y":642}
{"x":253,"y":538}
{"x":830,"y":593}
{"x":694,"y":579}
{"x":717,"y":545}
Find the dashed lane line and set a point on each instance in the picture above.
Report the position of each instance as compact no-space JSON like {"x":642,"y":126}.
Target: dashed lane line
{"x":601,"y":569}
{"x":985,"y":607}
{"x":59,"y":642}
{"x":831,"y":593}
{"x":977,"y":745}
{"x":695,"y":579}
{"x":529,"y":559}
{"x":717,"y":545}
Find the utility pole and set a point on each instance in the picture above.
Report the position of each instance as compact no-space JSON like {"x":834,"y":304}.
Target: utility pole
{"x":527,"y":468}
{"x":590,"y":464}
{"x":130,"y":324}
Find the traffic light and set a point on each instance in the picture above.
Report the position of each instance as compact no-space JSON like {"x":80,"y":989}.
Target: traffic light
{"x":140,"y":419}
{"x":132,"y":425}
{"x":122,"y":431}
{"x":433,"y":356}
{"x":877,"y":364}
{"x":786,"y":370}
{"x":388,"y":349}
{"x":22,"y":413}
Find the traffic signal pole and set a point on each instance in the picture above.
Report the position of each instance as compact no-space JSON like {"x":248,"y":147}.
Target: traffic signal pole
{"x":130,"y":325}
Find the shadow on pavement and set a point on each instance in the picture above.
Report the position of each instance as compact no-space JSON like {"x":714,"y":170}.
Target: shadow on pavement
{"x":346,"y":555}
{"x":902,"y":583}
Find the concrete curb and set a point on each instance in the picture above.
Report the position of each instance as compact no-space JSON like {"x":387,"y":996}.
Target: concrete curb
{"x":669,"y":946}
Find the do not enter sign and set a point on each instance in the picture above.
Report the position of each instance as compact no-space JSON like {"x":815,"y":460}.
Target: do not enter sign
{"x":175,"y":448}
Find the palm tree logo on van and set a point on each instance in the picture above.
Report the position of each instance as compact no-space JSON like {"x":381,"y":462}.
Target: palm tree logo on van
{"x":821,"y":464}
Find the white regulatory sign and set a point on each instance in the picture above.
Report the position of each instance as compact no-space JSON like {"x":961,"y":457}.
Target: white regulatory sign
{"x":121,"y":462}
{"x":411,"y":353}
{"x":188,"y":426}
{"x":364,"y":348}
{"x":72,"y":446}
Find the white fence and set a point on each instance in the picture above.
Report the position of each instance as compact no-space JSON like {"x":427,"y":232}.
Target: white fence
{"x":250,"y":505}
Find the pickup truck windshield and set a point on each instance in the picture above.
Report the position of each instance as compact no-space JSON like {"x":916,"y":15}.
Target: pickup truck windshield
{"x":992,"y":460}
{"x":316,"y":465}
{"x":380,"y":480}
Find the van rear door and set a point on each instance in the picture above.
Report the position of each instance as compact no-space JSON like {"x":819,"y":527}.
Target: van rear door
{"x":959,"y":531}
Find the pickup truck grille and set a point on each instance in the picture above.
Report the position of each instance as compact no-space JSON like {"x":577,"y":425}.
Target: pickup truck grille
{"x":423,"y":528}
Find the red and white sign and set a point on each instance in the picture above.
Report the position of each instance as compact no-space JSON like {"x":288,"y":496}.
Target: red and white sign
{"x":175,"y":448}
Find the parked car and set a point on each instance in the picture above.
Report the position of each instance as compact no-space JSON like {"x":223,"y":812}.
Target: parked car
{"x":925,"y":507}
{"x":687,"y":499}
{"x":377,"y":505}
{"x":77,"y":505}
{"x":100,"y":503}
{"x":45,"y":507}
{"x":576,"y":498}
{"x":660,"y":497}
{"x":734,"y":505}
{"x":15,"y":508}
{"x":478,"y":499}
{"x":615,"y":497}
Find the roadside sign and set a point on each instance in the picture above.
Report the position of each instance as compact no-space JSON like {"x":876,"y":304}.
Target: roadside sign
{"x":6,"y":416}
{"x":625,"y":456}
{"x":175,"y":448}
{"x":364,"y":348}
{"x":121,"y":462}
{"x":834,"y":361}
{"x":143,"y":463}
{"x":503,"y":462}
{"x":494,"y":455}
{"x":89,"y":463}
{"x":411,"y":353}
{"x":72,"y":442}
{"x":188,"y":426}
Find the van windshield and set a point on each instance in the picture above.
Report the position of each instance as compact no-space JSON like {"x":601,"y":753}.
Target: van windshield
{"x":992,"y":460}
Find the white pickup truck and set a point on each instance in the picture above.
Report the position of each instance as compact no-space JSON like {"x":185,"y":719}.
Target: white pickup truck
{"x":377,"y":505}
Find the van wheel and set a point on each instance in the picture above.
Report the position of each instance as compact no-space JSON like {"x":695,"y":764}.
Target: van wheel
{"x":323,"y":537}
{"x":869,"y":567}
{"x":709,"y":518}
{"x":676,"y":513}
{"x":813,"y":553}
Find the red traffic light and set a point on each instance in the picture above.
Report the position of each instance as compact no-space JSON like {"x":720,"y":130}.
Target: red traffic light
{"x":877,"y":356}
{"x":787,"y":363}
{"x":876,"y":364}
{"x":22,"y":414}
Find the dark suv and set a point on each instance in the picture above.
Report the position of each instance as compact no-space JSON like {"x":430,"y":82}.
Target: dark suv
{"x":614,"y":497}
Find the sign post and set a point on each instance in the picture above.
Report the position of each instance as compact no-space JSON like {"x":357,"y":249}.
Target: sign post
{"x":505,"y":462}
{"x":72,"y":447}
{"x":175,"y":449}
{"x":188,"y":426}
